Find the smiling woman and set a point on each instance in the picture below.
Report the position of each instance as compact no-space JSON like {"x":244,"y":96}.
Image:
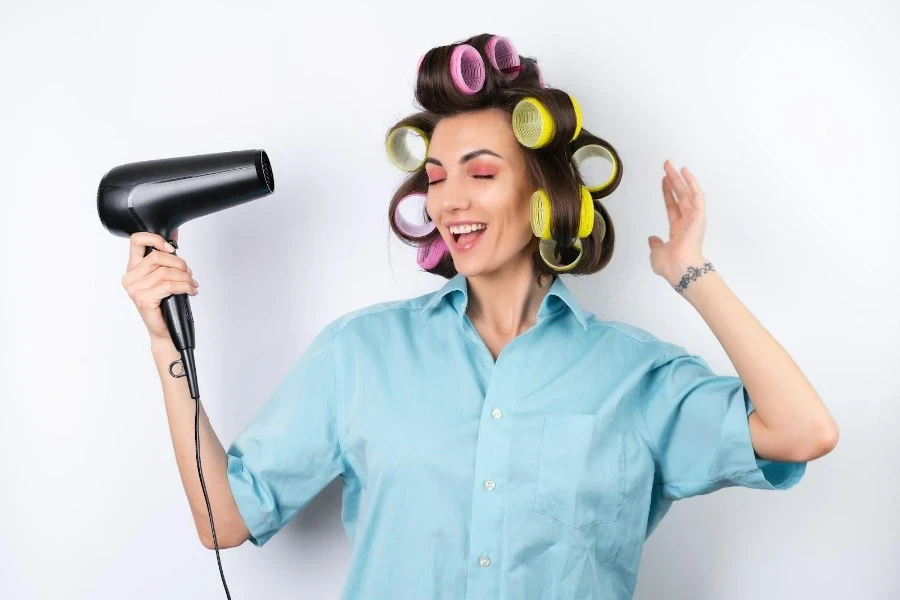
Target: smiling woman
{"x":497,"y":165}
{"x":494,"y":438}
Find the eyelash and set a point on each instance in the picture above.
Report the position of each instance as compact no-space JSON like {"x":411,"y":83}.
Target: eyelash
{"x":430,"y":183}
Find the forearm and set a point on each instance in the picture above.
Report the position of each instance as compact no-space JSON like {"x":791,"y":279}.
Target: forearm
{"x":784,"y":399}
{"x":181,"y":412}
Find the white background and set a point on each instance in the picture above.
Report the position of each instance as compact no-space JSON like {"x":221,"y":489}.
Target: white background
{"x":787,"y":112}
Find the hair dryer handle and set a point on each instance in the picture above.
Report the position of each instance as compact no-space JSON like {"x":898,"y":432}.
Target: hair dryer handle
{"x":176,"y":310}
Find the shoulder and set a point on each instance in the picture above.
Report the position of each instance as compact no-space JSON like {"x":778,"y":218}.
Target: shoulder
{"x":380,"y":317}
{"x":627,"y":336}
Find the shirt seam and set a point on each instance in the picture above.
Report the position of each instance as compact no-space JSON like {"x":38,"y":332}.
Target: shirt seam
{"x":338,"y":397}
{"x":653,"y":447}
{"x":382,"y":309}
{"x":695,"y":481}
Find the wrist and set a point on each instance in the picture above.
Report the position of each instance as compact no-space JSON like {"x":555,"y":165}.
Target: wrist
{"x":163,"y":347}
{"x":688,"y":273}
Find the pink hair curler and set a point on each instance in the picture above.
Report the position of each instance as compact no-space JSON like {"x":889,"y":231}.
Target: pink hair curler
{"x":412,"y":229}
{"x":503,"y":56}
{"x":467,"y":69}
{"x":419,"y":65}
{"x":540,"y":75}
{"x":430,"y":255}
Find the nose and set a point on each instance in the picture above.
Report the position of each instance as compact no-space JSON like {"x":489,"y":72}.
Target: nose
{"x":450,"y":195}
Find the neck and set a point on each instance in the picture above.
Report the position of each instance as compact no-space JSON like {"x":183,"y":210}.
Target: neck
{"x":506,"y":301}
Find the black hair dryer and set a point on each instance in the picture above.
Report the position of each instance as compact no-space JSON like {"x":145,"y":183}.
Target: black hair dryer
{"x":159,"y":195}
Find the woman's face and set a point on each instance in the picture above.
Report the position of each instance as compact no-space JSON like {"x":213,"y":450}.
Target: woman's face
{"x":477,"y":181}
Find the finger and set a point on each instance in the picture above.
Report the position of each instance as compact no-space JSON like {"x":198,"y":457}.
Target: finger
{"x":153,"y":261}
{"x":672,"y":210}
{"x":152,"y":296}
{"x":682,"y":192}
{"x":698,"y":197}
{"x":158,"y":276}
{"x":140,"y":241}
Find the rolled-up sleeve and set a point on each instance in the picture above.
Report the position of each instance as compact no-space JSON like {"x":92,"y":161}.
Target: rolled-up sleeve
{"x":697,"y":425}
{"x":291,"y":449}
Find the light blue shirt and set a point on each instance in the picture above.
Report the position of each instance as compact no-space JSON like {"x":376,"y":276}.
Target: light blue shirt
{"x":536,"y":476}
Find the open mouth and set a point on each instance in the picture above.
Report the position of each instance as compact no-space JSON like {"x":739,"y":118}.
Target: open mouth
{"x":467,"y":239}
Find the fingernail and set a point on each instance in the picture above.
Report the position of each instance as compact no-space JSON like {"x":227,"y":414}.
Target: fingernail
{"x":189,"y":271}
{"x":195,"y":282}
{"x":170,"y":247}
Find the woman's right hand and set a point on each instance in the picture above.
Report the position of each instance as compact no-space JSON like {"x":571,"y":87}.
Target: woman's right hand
{"x":149,"y":279}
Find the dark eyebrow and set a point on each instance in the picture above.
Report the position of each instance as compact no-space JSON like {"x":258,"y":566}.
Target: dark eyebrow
{"x":465,"y":157}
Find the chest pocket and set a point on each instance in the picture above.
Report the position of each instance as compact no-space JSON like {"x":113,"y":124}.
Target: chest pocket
{"x":581,"y":472}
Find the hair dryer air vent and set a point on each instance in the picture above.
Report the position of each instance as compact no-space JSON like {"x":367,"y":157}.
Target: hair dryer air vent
{"x":267,"y":171}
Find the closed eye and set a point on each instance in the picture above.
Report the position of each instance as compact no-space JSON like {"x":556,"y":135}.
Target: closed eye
{"x":475,"y":176}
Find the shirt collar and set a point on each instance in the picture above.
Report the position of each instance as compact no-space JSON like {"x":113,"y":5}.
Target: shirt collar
{"x":559,"y":295}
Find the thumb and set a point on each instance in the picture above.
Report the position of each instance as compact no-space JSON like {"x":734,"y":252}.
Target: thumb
{"x":655,"y":242}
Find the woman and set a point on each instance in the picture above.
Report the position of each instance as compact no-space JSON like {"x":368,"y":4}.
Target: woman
{"x":494,"y":439}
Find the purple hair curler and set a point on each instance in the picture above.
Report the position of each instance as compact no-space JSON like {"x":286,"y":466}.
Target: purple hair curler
{"x":467,"y":69}
{"x":412,"y":229}
{"x":430,"y":255}
{"x":503,"y":56}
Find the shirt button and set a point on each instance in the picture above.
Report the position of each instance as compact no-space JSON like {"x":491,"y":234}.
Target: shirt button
{"x":485,"y":560}
{"x":489,"y":485}
{"x":496,"y":413}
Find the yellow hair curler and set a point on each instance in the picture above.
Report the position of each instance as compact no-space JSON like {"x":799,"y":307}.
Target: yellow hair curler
{"x":540,"y":214}
{"x":547,"y":249}
{"x":589,"y":151}
{"x":532,"y":123}
{"x":586,"y":221}
{"x":397,"y":146}
{"x":578,"y":118}
{"x":534,"y":126}
{"x":600,"y":224}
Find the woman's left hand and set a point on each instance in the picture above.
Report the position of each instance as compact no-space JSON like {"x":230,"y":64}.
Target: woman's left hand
{"x":686,"y":208}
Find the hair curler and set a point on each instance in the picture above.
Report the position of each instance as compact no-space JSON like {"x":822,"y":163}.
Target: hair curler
{"x":398,"y":151}
{"x":414,"y":230}
{"x":533,"y":124}
{"x":589,"y":151}
{"x":503,"y":56}
{"x":467,"y":70}
{"x":429,"y":255}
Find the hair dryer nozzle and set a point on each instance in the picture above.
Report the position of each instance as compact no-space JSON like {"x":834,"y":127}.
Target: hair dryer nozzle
{"x":159,"y":195}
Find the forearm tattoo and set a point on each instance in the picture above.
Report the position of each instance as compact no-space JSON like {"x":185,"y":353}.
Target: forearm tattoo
{"x":692,"y":275}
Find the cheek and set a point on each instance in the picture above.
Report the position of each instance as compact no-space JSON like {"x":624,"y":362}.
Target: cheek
{"x":513,"y":209}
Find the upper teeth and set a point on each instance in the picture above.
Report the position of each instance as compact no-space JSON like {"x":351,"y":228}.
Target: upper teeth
{"x":467,"y":228}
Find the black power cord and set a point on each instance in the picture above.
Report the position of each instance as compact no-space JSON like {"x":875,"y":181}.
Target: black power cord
{"x":205,"y":495}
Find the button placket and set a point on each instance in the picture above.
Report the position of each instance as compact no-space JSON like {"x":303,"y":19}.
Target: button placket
{"x":491,"y":456}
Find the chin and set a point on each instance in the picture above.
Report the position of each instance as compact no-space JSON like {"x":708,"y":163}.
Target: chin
{"x":470,"y":270}
{"x":485,"y":259}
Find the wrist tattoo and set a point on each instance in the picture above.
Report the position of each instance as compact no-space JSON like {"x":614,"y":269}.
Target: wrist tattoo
{"x":692,"y":275}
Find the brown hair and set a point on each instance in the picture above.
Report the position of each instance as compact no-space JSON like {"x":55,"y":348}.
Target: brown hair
{"x":550,"y":167}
